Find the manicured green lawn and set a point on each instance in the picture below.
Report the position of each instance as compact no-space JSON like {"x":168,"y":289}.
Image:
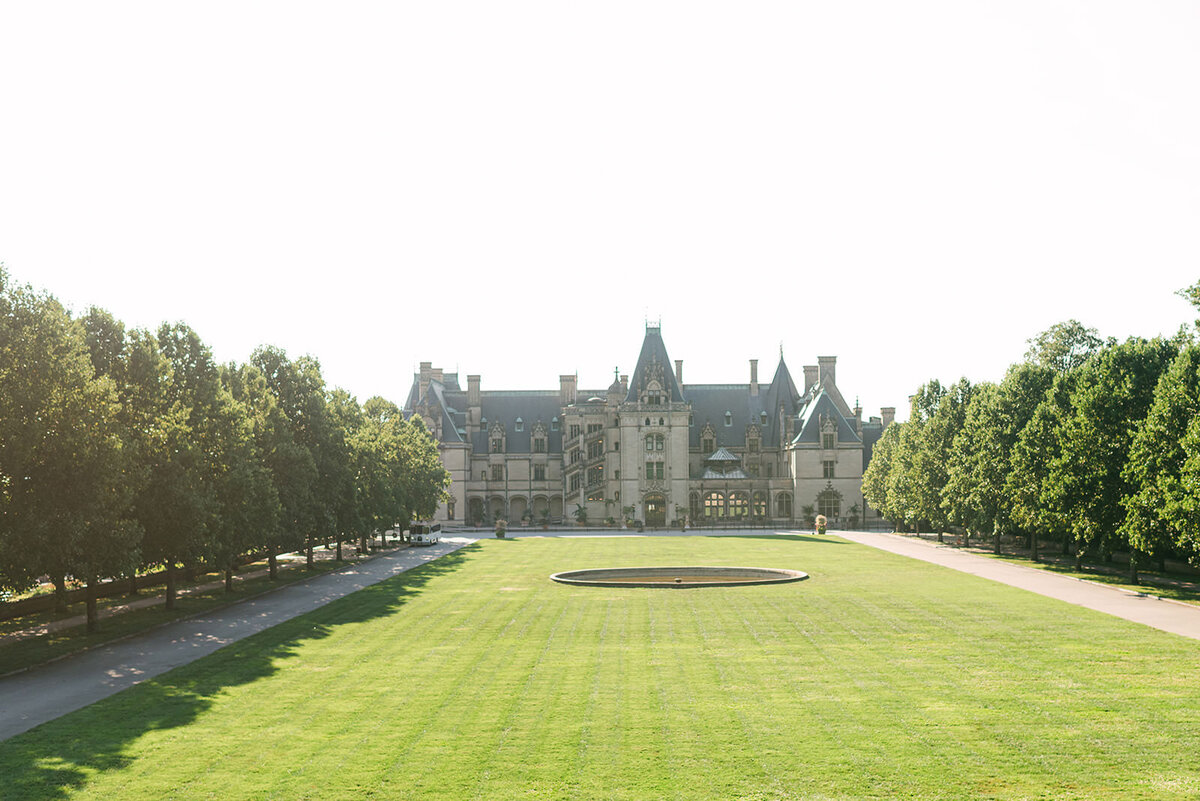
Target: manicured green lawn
{"x":477,"y":677}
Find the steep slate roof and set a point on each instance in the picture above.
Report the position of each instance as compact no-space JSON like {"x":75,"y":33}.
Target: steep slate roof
{"x":505,"y":407}
{"x":654,"y":352}
{"x":822,"y":405}
{"x":782,"y":391}
{"x":711,"y":401}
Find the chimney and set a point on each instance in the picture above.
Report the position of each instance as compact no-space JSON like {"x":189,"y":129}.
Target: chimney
{"x":679,"y":372}
{"x":889,"y":414}
{"x":625,"y":384}
{"x":566,"y":389}
{"x":472,"y":390}
{"x":423,"y":378}
{"x":754,"y":376}
{"x":437,"y":375}
{"x":810,"y":376}
{"x":826,"y":367}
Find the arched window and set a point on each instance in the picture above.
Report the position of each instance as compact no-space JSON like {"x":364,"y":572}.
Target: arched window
{"x":714,"y":505}
{"x":739,"y":504}
{"x":760,"y":504}
{"x":783,"y":504}
{"x":649,"y":442}
{"x":658,"y":442}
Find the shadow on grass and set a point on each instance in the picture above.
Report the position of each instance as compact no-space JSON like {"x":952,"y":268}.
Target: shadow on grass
{"x":56,"y":759}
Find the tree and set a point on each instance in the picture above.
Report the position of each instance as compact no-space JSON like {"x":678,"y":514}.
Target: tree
{"x":1162,"y":468}
{"x":247,"y":482}
{"x":64,"y":501}
{"x":877,"y":477}
{"x":1064,"y":346}
{"x":1112,"y":395}
{"x":978,"y":492}
{"x":346,"y":416}
{"x":179,"y":505}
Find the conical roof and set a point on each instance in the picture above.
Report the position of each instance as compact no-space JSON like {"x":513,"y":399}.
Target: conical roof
{"x":654,"y":365}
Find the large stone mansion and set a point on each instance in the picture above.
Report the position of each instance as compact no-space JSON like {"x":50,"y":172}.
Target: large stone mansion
{"x":650,"y":447}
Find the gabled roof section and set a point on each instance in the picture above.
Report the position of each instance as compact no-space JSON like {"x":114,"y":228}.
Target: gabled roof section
{"x":823,"y":407}
{"x":654,"y":364}
{"x":722,"y":455}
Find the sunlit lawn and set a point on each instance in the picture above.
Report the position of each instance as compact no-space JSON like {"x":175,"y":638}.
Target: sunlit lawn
{"x":477,"y":677}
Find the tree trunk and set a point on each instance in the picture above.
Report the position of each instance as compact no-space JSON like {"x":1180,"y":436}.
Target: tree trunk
{"x":228,"y":580}
{"x":60,"y":592}
{"x":339,"y":549}
{"x":273,"y":566}
{"x":1078,"y":560}
{"x":133,"y":587}
{"x":1162,"y":564}
{"x":1066,"y":545}
{"x":996,"y":539}
{"x":308,"y":557}
{"x":171,"y":585}
{"x":1033,"y":546}
{"x":939,"y":537}
{"x":93,"y":616}
{"x":1133,"y":567}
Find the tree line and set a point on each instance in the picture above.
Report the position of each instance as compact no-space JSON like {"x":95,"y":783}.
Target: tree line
{"x":124,"y":450}
{"x":1088,"y":443}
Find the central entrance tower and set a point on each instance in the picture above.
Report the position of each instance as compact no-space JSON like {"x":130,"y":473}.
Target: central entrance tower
{"x":653,"y":420}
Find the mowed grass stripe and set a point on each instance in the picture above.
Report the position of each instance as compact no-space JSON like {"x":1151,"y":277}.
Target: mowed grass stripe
{"x":879,"y":677}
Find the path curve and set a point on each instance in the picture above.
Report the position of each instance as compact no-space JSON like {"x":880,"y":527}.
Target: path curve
{"x":50,"y":691}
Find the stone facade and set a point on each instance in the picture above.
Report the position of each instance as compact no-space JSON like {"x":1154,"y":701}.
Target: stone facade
{"x":650,"y":447}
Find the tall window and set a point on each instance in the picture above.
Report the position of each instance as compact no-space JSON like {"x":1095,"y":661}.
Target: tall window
{"x":714,"y":505}
{"x":760,"y":504}
{"x":574,"y":430}
{"x":783,"y":504}
{"x":752,"y":445}
{"x":655,"y":470}
{"x":827,"y":469}
{"x":728,"y":418}
{"x":595,"y":449}
{"x":739,"y":504}
{"x":554,"y":424}
{"x":828,"y":441}
{"x":539,"y":472}
{"x":574,"y":483}
{"x":829,"y":503}
{"x":707,"y":446}
{"x":497,"y":445}
{"x":539,"y":445}
{"x":575,"y":455}
{"x":520,"y":426}
{"x":594,"y":427}
{"x":497,"y":472}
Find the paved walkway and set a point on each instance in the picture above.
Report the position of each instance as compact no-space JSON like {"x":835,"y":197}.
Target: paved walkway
{"x":1172,"y":616}
{"x":45,"y":693}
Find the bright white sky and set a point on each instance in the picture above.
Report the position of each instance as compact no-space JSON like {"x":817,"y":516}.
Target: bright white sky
{"x":512,"y":188}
